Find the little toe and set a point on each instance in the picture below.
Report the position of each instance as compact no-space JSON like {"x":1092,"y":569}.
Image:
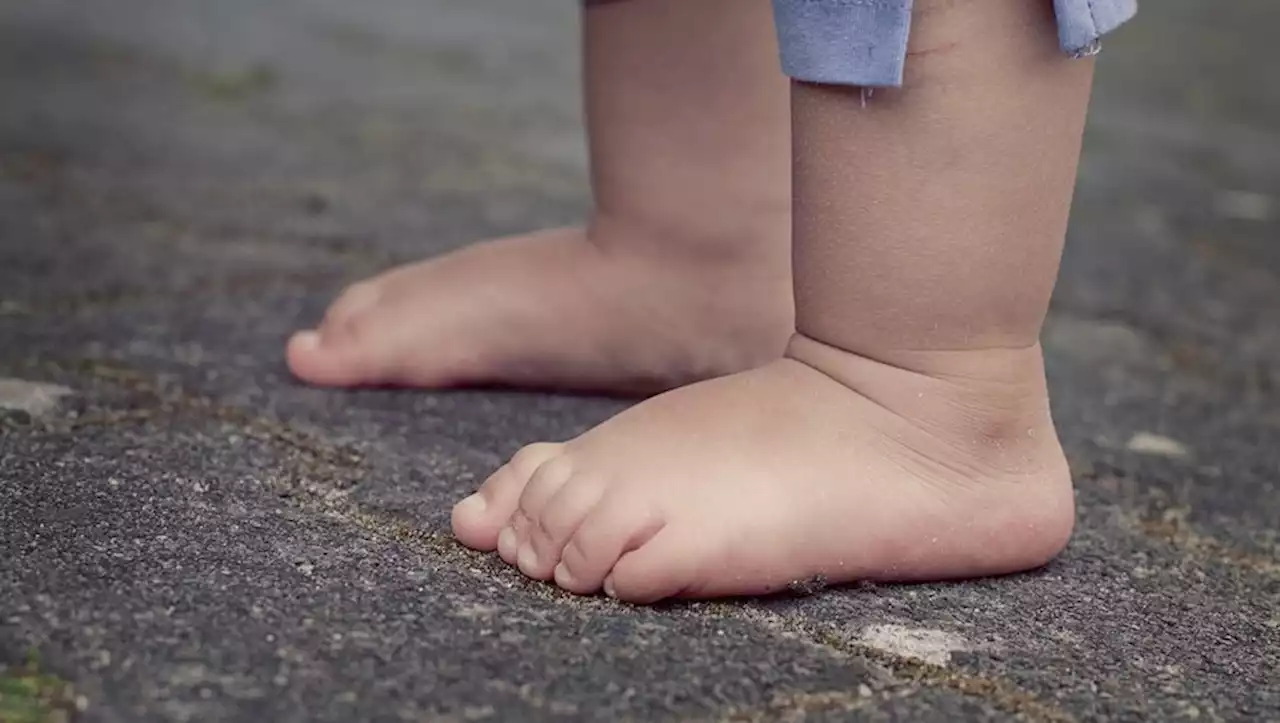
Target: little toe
{"x":478,"y":519}
{"x":613,"y":527}
{"x":665,"y":566}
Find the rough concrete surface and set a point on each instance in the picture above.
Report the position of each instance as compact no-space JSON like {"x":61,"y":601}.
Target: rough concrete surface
{"x":188,"y":534}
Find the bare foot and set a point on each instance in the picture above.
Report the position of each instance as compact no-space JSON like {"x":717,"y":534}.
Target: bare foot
{"x":684,"y":273}
{"x":822,"y":465}
{"x":597,"y":310}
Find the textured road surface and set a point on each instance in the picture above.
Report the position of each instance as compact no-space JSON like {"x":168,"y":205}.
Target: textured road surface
{"x":187,"y":534}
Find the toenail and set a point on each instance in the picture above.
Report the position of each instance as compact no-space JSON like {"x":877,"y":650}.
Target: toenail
{"x":309,"y":338}
{"x":608,"y":587}
{"x":507,"y":540}
{"x":473,"y":505}
{"x":527,"y":559}
{"x":564,"y":578}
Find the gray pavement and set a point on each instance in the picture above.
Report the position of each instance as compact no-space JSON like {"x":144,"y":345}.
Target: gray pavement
{"x":187,"y":534}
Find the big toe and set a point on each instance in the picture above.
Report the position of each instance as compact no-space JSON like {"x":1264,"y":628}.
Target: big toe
{"x":478,"y":519}
{"x":349,"y":348}
{"x":329,"y":360}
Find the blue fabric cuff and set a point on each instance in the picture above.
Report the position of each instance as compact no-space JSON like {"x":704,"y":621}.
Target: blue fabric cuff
{"x":1082,"y":23}
{"x":844,"y":42}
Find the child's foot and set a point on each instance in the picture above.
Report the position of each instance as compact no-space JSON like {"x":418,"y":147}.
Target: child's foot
{"x":683,"y":274}
{"x":823,"y":465}
{"x":597,"y":310}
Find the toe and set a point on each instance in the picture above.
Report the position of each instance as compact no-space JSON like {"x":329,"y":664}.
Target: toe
{"x":546,"y":481}
{"x":314,"y":360}
{"x":352,"y":303}
{"x":560,"y":518}
{"x":478,"y":519}
{"x":352,"y":346}
{"x":665,"y":566}
{"x":509,"y":539}
{"x":613,"y":527}
{"x":361,"y":354}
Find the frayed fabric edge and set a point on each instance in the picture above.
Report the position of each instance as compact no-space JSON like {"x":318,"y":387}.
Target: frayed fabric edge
{"x":1087,"y":51}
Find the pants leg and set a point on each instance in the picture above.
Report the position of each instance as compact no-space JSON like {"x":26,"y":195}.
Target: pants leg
{"x":864,"y":42}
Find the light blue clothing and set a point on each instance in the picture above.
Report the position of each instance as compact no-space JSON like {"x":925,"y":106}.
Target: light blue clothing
{"x":864,"y":42}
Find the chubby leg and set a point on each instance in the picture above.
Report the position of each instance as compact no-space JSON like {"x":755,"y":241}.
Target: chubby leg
{"x":907,"y":434}
{"x":683,"y":271}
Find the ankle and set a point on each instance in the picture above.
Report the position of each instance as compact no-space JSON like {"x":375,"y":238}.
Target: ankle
{"x":729,"y":277}
{"x":989,"y":404}
{"x":707,"y":231}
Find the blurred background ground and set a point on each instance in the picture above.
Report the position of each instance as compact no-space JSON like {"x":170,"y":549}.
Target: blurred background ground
{"x":187,"y":534}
